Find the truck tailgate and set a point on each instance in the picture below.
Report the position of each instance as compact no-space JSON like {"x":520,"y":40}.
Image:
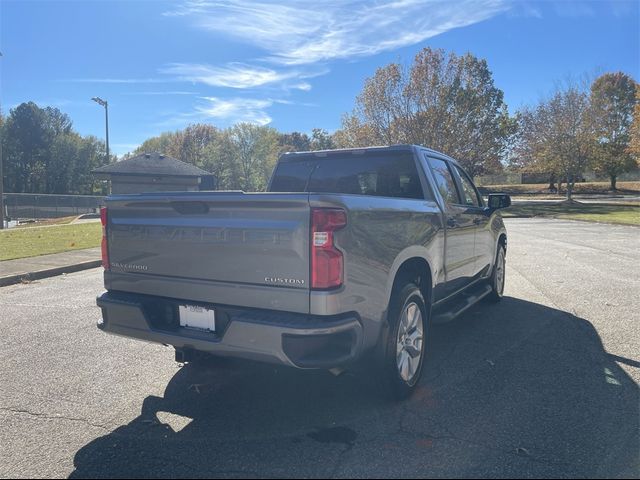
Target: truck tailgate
{"x":222,"y":238}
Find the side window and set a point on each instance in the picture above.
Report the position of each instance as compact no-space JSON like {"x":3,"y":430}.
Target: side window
{"x":444,"y":180}
{"x":469,"y":193}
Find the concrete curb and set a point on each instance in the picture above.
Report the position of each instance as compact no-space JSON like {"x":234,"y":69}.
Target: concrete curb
{"x":49,"y":272}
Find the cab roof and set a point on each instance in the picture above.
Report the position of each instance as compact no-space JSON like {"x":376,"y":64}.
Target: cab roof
{"x":293,"y":156}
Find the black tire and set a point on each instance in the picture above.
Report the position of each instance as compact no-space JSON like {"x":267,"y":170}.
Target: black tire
{"x":403,"y":300}
{"x":497,"y":278}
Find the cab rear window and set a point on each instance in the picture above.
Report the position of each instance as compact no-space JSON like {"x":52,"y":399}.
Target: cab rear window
{"x":381,"y":175}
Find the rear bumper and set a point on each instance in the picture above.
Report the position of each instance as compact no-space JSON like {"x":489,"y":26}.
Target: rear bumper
{"x":303,"y":341}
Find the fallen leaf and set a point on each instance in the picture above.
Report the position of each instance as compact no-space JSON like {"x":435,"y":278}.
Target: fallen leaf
{"x":424,"y":443}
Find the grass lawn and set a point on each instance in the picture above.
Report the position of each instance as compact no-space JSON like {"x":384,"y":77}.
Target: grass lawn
{"x":30,"y":242}
{"x":587,"y":188}
{"x":626,"y":214}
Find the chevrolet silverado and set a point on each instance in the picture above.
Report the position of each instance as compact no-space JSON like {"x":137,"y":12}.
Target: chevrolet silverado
{"x":349,"y":252}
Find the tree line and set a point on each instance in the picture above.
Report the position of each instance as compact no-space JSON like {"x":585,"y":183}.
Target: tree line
{"x":42,"y":153}
{"x":241,"y":157}
{"x":450,"y":103}
{"x":582,"y":126}
{"x":441,"y":100}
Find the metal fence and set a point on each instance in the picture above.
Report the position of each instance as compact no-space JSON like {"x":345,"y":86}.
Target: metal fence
{"x":512,"y":178}
{"x":503,"y":179}
{"x":632,"y":176}
{"x":35,"y":206}
{"x":530,"y":178}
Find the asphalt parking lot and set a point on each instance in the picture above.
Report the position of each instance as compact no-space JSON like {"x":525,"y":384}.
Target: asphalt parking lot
{"x":545,"y":384}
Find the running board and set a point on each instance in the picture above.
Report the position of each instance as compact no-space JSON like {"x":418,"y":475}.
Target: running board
{"x":453,"y":308}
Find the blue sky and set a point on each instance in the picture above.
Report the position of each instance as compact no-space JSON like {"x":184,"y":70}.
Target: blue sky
{"x":294,"y":65}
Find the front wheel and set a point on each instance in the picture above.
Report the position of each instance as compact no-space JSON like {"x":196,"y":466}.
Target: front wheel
{"x":498,"y":275}
{"x":405,"y":347}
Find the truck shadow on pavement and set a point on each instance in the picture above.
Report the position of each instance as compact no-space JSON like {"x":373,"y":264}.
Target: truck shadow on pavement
{"x":515,"y":389}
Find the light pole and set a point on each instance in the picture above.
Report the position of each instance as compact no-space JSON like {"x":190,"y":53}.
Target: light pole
{"x":1,"y":183}
{"x":1,"y":180}
{"x":105,"y":104}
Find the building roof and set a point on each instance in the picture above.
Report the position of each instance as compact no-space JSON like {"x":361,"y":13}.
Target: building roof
{"x":152,"y":164}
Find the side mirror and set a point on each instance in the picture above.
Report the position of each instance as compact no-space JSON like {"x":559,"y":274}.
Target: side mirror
{"x":499,"y":200}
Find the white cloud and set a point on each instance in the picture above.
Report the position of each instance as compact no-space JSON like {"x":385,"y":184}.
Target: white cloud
{"x":304,"y":86}
{"x":242,"y":76}
{"x":300,"y":38}
{"x":233,"y":110}
{"x":227,"y":111}
{"x":232,"y":75}
{"x":305,"y":33}
{"x":117,"y":80}
{"x":162,"y":92}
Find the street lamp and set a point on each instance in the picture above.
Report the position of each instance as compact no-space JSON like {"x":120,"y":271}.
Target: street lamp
{"x":104,"y":103}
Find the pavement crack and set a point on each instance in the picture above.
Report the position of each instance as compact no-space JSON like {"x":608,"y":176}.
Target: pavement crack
{"x":53,"y":417}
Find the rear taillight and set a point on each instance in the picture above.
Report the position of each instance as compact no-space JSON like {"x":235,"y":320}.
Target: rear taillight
{"x":327,"y":262}
{"x":105,"y":251}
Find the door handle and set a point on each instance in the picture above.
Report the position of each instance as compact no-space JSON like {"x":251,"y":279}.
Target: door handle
{"x":451,"y":222}
{"x":477,"y":221}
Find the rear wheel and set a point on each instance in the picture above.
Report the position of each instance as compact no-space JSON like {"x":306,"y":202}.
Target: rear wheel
{"x":498,"y":276}
{"x":404,"y":353}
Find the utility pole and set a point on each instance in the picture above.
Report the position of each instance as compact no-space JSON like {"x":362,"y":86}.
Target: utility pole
{"x":105,"y":104}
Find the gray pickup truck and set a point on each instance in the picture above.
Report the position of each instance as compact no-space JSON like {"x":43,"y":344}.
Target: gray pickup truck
{"x":350,"y":252}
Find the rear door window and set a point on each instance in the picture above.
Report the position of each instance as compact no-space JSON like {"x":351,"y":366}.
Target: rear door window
{"x":445,"y":183}
{"x":469,"y":192}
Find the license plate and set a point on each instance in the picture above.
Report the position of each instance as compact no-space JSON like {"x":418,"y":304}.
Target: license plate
{"x":201,"y":318}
